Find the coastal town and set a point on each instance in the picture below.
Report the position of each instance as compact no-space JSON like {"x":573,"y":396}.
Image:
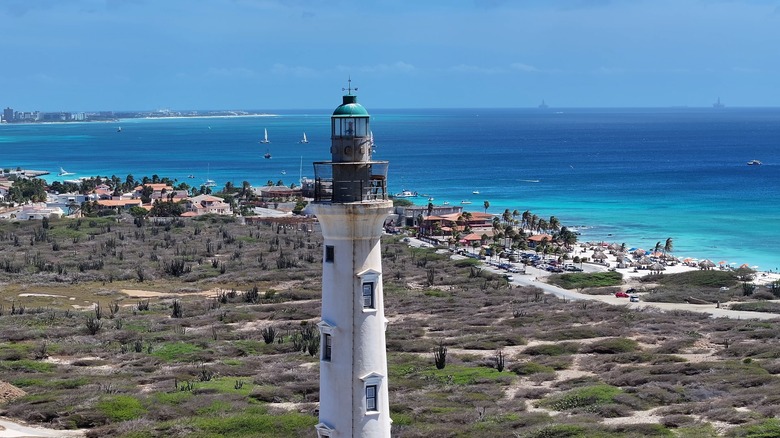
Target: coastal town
{"x":512,"y":243}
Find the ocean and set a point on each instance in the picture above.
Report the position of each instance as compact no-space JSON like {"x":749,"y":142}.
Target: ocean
{"x":634,"y":176}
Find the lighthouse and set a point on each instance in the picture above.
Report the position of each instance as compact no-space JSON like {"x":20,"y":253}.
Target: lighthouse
{"x":351,"y":204}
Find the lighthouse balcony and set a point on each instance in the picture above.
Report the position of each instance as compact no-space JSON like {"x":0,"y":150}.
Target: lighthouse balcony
{"x":357,"y":181}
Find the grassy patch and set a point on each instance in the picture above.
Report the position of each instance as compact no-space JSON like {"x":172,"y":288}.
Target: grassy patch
{"x":177,"y":351}
{"x":27,"y":365}
{"x":586,"y":397}
{"x":713,"y":279}
{"x":758,"y":306}
{"x":466,"y":375}
{"x":580,"y":280}
{"x":254,"y":424}
{"x":121,"y":407}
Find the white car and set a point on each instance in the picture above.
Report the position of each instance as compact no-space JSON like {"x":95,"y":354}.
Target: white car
{"x":633,"y":298}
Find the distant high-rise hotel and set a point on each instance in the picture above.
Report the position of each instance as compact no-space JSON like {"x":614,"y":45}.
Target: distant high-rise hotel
{"x":8,"y":114}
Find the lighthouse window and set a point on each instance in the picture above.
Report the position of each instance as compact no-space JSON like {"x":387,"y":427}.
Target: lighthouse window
{"x":329,"y":253}
{"x":326,"y":349}
{"x":371,"y":398}
{"x":368,"y":295}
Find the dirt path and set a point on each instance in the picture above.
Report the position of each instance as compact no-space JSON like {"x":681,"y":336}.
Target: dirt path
{"x":10,"y":429}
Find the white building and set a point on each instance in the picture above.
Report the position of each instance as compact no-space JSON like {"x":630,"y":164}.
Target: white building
{"x":351,"y":205}
{"x":38,"y":211}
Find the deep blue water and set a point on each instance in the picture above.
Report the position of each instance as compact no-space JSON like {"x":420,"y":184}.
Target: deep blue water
{"x":633,"y":176}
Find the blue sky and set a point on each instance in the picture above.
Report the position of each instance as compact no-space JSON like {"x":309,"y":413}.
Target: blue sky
{"x":84,"y":55}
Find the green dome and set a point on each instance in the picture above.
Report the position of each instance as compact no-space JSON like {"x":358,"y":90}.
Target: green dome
{"x":350,"y":108}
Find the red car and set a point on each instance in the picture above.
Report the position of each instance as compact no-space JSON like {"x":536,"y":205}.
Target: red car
{"x":621,"y":294}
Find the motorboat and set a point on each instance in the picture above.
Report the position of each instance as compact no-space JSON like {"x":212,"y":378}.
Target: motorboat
{"x":406,"y":194}
{"x":754,"y":163}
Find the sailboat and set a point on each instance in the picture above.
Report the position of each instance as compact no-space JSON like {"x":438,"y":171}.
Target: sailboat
{"x":304,"y":140}
{"x":265,"y":137}
{"x":64,"y":173}
{"x":209,"y":182}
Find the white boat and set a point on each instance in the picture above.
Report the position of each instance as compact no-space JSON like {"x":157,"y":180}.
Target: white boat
{"x":64,"y":173}
{"x":209,"y":183}
{"x":119,"y":129}
{"x":406,"y":194}
{"x":476,"y":192}
{"x":446,"y":202}
{"x":464,"y":202}
{"x":754,"y":163}
{"x":304,"y":140}
{"x":265,"y":137}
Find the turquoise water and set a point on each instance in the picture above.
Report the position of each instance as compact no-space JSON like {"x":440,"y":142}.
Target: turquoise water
{"x":633,"y":176}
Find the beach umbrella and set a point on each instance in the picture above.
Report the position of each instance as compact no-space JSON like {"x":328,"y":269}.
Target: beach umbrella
{"x":638,"y":252}
{"x":657,"y":267}
{"x":645,"y":261}
{"x":599,"y":256}
{"x":706,"y":264}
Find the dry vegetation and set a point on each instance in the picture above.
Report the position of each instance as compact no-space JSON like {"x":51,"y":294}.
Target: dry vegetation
{"x":202,"y":328}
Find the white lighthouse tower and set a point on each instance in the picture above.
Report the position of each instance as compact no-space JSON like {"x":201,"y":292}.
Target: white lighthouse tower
{"x":351,"y":205}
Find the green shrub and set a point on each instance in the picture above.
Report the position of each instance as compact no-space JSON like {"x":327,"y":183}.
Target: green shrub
{"x":769,"y":428}
{"x":528,"y":368}
{"x":611,"y":346}
{"x":560,"y":349}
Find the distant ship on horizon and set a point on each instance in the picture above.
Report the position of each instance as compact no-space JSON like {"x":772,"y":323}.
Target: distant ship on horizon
{"x":543,"y":104}
{"x":718,"y":104}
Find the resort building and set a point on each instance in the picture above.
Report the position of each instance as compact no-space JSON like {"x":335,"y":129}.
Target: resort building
{"x":206,"y":204}
{"x":38,"y":211}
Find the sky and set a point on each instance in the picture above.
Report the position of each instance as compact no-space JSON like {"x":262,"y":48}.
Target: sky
{"x":91,"y":55}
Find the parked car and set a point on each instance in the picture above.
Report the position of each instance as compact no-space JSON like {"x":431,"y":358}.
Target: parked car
{"x":621,"y":294}
{"x":633,"y":299}
{"x":509,"y":278}
{"x":630,"y":290}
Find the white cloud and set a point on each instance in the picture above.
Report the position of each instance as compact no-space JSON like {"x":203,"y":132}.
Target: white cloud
{"x":466,"y":68}
{"x":237,"y":72}
{"x":398,"y":66}
{"x":524,"y":67}
{"x":297,"y":71}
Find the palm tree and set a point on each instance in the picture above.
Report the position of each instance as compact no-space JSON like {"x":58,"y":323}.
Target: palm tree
{"x":542,"y":225}
{"x":486,"y":204}
{"x":554,"y":223}
{"x":526,"y":217}
{"x":657,"y":247}
{"x":668,"y":246}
